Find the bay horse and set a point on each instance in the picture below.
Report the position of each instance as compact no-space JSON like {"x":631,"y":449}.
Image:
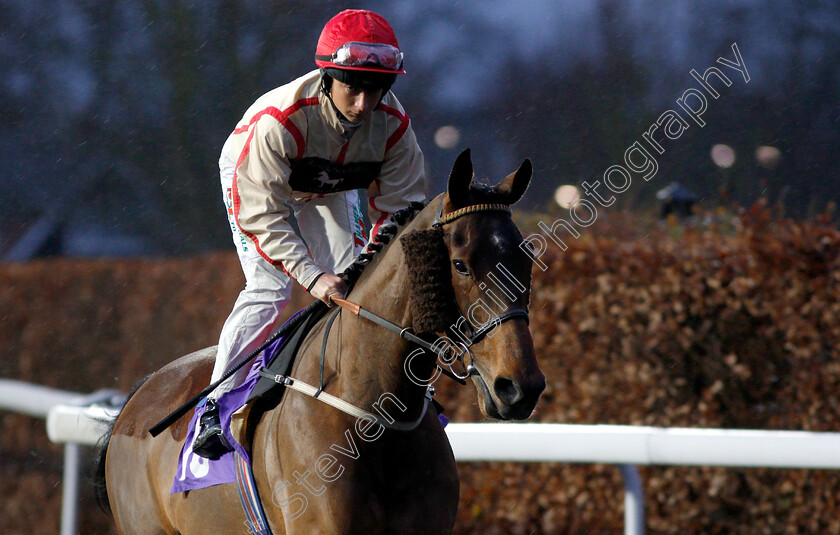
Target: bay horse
{"x":403,"y":482}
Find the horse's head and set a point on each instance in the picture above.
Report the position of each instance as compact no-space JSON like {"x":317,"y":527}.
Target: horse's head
{"x":490,"y":277}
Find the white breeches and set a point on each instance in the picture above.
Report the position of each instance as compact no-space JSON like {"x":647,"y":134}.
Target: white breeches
{"x":330,"y":227}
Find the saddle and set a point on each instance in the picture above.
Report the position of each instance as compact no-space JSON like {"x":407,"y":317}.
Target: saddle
{"x":240,"y":410}
{"x":280,"y":357}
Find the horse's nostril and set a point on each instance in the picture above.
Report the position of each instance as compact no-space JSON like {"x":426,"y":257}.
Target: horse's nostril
{"x":507,"y":390}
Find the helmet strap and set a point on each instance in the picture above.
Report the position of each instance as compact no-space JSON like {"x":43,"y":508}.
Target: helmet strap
{"x":326,"y":87}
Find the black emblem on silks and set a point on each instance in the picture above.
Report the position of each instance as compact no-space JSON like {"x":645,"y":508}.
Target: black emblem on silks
{"x":317,"y":175}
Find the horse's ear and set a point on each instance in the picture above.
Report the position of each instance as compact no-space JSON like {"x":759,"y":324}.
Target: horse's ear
{"x":460,"y":179}
{"x":513,"y":186}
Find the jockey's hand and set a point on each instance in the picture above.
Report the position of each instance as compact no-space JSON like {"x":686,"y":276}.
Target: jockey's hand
{"x":328,"y":286}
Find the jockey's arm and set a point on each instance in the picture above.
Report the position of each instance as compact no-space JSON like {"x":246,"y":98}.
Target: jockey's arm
{"x":401,"y":180}
{"x":261,"y":190}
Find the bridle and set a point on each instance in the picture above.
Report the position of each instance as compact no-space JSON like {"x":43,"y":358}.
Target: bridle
{"x":470,"y":336}
{"x":462,"y":333}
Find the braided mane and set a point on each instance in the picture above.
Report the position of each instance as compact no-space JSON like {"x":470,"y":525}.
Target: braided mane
{"x":380,"y":240}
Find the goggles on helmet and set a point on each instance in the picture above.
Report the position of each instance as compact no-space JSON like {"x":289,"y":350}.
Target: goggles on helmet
{"x":357,"y":54}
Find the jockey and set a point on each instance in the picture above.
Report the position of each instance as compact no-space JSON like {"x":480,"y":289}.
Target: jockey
{"x":304,"y":149}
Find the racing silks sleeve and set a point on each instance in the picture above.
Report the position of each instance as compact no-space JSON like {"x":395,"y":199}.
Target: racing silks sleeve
{"x":260,"y":192}
{"x":402,"y":178}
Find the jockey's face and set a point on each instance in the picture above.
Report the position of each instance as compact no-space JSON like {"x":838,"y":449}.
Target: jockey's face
{"x":353,"y":102}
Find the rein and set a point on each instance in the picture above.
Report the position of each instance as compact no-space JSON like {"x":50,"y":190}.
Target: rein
{"x":404,"y":332}
{"x":338,"y":403}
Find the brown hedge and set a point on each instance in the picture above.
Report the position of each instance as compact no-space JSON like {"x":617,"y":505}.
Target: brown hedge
{"x":715,"y":324}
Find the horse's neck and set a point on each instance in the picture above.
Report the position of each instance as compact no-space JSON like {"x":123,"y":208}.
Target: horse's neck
{"x":372,"y":358}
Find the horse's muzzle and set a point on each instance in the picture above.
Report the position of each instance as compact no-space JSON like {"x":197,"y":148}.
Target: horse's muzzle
{"x":509,"y":399}
{"x":517,"y":399}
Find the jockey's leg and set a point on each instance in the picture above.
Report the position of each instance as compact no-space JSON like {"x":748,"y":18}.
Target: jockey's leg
{"x":254,"y":317}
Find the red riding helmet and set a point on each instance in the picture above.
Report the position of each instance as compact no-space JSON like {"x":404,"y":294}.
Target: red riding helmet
{"x":359,"y":40}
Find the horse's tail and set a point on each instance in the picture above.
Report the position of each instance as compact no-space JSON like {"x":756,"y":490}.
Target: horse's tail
{"x":100,"y":488}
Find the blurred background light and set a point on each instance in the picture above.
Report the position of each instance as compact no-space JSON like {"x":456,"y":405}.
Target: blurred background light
{"x":566,"y":196}
{"x":723,"y":156}
{"x":447,"y":137}
{"x":768,"y":157}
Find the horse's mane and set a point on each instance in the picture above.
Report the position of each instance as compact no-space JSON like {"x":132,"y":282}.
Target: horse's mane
{"x":427,"y":259}
{"x":431,"y":294}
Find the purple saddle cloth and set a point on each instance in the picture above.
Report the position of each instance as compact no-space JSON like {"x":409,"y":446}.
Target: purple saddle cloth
{"x":196,"y":472}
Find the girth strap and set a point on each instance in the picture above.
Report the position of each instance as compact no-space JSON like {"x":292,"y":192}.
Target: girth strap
{"x":249,"y":497}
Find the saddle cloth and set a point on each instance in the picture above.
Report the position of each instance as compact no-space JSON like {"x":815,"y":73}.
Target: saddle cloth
{"x":196,"y":472}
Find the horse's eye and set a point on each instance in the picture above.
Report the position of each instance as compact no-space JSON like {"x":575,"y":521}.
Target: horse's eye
{"x":461,"y":267}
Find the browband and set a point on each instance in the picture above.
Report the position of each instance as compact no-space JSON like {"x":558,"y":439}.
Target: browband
{"x":441,"y":220}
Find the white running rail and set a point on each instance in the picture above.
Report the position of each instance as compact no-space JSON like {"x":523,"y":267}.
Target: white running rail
{"x":639,"y":445}
{"x":39,"y":401}
{"x":625,"y":446}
